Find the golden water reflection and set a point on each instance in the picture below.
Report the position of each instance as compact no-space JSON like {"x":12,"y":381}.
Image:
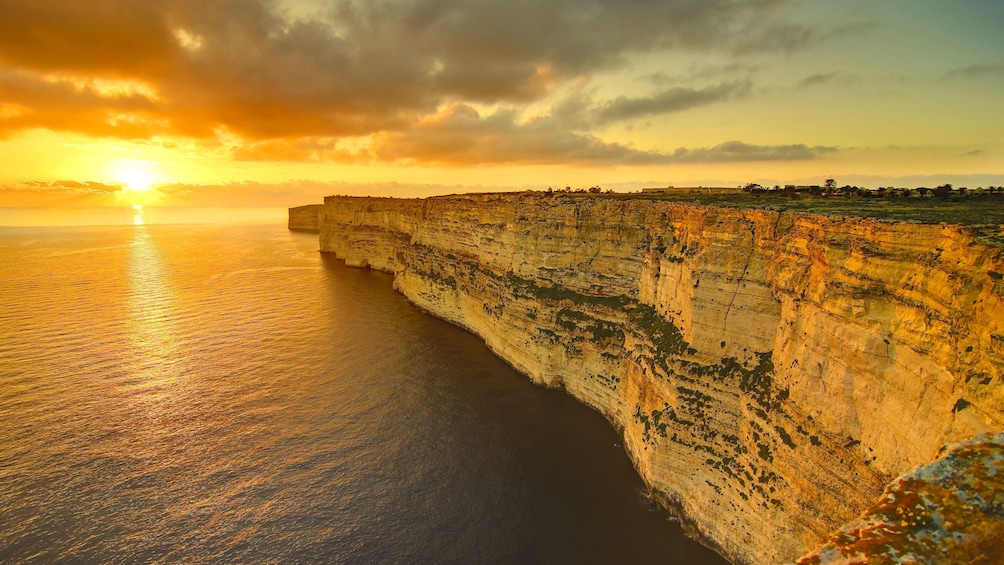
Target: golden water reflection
{"x":152,"y":318}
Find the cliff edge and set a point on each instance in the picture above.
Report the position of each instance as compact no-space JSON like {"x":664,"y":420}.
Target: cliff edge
{"x":770,"y":371}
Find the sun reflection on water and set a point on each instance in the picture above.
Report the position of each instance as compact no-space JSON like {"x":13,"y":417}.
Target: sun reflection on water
{"x":152,"y":315}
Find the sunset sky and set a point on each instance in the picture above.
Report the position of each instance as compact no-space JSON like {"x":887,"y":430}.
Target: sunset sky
{"x":277,"y":103}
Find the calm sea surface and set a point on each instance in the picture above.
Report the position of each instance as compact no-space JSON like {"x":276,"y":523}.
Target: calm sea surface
{"x":227,"y":394}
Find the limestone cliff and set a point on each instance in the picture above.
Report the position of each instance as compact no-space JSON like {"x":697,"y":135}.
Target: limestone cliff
{"x":305,"y":218}
{"x":770,"y":371}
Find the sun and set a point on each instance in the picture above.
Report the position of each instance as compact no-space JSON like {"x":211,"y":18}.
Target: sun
{"x":133,"y":175}
{"x":135,"y":179}
{"x":138,"y":182}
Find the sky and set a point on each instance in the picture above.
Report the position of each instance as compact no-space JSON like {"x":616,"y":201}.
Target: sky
{"x":278,"y":103}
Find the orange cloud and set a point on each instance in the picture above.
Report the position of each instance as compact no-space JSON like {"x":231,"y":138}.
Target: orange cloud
{"x":299,"y":149}
{"x":107,"y":38}
{"x":58,"y":194}
{"x":290,"y":87}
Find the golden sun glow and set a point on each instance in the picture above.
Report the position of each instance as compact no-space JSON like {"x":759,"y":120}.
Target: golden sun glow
{"x":134,"y":175}
{"x":137,"y":214}
{"x":138,"y":180}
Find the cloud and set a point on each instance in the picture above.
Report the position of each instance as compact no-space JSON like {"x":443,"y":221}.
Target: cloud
{"x":58,"y":194}
{"x":974,"y":153}
{"x":786,"y":38}
{"x":460,"y":136}
{"x":737,"y":151}
{"x":114,"y":37}
{"x":349,"y":68}
{"x":69,"y":103}
{"x":818,"y":79}
{"x":308,"y":149}
{"x":976,"y":71}
{"x":65,"y":186}
{"x":672,"y":100}
{"x":834,"y":78}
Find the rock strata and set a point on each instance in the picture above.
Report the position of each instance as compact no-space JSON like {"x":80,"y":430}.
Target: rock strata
{"x":770,"y":371}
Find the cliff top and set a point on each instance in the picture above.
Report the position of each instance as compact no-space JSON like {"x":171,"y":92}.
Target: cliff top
{"x":976,"y":209}
{"x":968,"y":210}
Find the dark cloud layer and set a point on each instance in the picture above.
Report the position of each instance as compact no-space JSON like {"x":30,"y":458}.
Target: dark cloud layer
{"x":736,"y":151}
{"x":462,"y":136}
{"x":290,"y":87}
{"x":672,"y":100}
{"x":976,"y":71}
{"x":829,"y":79}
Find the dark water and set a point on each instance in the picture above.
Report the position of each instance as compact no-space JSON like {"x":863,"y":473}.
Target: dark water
{"x":226,"y":394}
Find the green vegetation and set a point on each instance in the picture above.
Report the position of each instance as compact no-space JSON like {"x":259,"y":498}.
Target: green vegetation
{"x":435,"y":274}
{"x":756,"y":382}
{"x":765,"y":453}
{"x":600,"y":329}
{"x":549,"y":335}
{"x":605,"y":330}
{"x":929,"y":206}
{"x":660,"y":331}
{"x":654,"y":421}
{"x":785,"y":437}
{"x":525,"y":288}
{"x":644,"y":420}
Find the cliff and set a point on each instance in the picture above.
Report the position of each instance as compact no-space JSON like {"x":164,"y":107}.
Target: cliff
{"x":770,"y":371}
{"x":305,"y":218}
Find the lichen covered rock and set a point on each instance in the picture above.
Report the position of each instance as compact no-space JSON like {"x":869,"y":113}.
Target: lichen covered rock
{"x":948,"y":511}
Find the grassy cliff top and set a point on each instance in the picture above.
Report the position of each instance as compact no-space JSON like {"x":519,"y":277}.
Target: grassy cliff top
{"x":975,"y":209}
{"x":984,"y":210}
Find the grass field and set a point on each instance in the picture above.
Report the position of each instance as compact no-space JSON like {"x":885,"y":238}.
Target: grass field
{"x":978,"y":210}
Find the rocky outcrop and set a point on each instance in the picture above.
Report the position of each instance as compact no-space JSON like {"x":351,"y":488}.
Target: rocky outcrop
{"x":305,"y":218}
{"x":948,"y":511}
{"x":770,"y":371}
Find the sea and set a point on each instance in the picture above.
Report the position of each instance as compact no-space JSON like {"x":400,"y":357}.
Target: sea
{"x":228,"y":394}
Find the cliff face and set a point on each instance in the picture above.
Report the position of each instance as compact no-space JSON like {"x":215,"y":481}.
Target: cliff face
{"x":770,"y":371}
{"x":305,"y":218}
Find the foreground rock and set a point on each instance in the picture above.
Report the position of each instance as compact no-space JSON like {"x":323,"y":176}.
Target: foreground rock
{"x":948,"y":511}
{"x":770,"y":371}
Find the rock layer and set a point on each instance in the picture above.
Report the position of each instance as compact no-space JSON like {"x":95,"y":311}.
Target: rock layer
{"x":769,"y":371}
